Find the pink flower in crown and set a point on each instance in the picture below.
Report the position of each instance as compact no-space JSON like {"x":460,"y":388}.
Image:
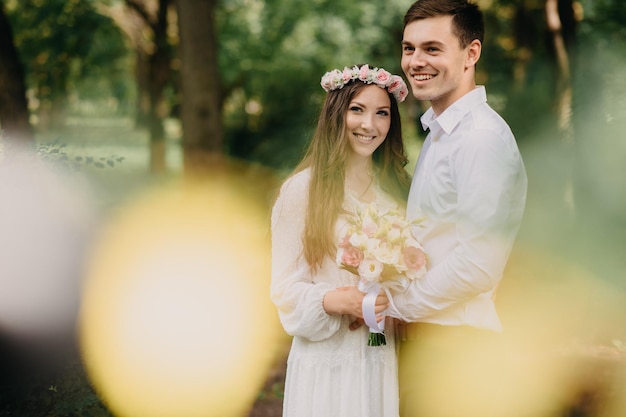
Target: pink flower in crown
{"x":337,"y":79}
{"x":347,"y":74}
{"x":398,"y":88}
{"x":327,"y":82}
{"x":383,"y":77}
{"x":395,"y":83}
{"x":364,"y":73}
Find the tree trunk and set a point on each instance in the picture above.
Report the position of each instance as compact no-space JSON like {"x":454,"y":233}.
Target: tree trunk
{"x":564,"y":81}
{"x":158,"y":73}
{"x":525,"y":42}
{"x":201,"y":112}
{"x":14,"y":116}
{"x":158,"y":76}
{"x":143,"y":97}
{"x":564,"y":95}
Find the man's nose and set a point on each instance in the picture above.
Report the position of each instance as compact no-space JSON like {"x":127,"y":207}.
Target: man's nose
{"x":417,"y":59}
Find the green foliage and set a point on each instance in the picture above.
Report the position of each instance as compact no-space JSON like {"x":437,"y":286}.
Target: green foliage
{"x":57,"y":152}
{"x":62,"y":42}
{"x":600,"y":114}
{"x":273,"y":54}
{"x":608,"y":16}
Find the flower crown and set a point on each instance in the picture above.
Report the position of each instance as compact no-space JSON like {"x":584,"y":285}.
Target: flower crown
{"x":336,"y":79}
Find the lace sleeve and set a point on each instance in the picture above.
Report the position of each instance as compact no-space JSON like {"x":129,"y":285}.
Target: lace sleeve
{"x":293,"y":290}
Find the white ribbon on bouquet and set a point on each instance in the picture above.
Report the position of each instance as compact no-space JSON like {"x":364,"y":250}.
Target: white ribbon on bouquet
{"x":371,"y":290}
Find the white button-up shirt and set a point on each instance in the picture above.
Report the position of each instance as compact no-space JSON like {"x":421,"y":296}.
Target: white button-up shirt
{"x":469,"y":187}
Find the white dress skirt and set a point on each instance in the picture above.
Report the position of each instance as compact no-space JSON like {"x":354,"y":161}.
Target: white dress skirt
{"x":331,"y":370}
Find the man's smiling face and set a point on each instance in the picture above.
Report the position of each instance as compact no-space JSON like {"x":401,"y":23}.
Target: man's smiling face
{"x":438,"y":69}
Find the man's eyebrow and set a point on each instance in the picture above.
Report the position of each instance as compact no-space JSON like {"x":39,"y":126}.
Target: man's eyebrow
{"x":424,"y":44}
{"x":433,"y":43}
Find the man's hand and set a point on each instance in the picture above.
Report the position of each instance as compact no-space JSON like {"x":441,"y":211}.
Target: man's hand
{"x":356,"y":324}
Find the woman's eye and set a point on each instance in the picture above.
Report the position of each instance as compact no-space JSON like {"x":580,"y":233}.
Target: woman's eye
{"x":383,"y":113}
{"x":355,"y":108}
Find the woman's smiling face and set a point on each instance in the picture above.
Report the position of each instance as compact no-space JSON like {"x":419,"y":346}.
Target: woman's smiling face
{"x":368,"y":120}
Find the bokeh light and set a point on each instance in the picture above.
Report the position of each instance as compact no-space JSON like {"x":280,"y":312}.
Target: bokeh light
{"x":555,"y":357}
{"x":46,"y":221}
{"x":176,"y":318}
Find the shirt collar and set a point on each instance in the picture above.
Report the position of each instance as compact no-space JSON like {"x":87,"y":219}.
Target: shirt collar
{"x":453,"y":115}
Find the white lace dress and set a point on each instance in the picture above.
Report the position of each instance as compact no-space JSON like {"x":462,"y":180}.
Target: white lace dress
{"x":331,"y":371}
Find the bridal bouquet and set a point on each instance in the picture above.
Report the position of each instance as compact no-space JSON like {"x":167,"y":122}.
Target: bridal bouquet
{"x":378,"y":247}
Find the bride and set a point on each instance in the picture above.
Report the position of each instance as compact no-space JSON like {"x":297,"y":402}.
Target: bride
{"x":356,"y":158}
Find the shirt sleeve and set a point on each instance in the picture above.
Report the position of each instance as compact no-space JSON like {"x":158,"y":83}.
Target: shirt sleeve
{"x":293,"y":290}
{"x":491,"y":190}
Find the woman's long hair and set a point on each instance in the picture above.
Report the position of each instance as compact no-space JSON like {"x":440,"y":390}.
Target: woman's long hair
{"x":326,"y":157}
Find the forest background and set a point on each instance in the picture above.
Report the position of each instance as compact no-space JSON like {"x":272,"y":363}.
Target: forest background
{"x":135,"y":92}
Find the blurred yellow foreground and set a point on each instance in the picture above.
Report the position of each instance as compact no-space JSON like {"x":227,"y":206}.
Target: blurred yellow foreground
{"x":176,"y":318}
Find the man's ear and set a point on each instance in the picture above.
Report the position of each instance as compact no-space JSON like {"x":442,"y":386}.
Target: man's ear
{"x":473,"y":53}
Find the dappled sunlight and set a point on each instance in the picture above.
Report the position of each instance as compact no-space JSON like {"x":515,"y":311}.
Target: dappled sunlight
{"x":176,"y":318}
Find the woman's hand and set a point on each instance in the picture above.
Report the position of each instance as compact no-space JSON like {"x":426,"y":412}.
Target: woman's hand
{"x":349,"y":300}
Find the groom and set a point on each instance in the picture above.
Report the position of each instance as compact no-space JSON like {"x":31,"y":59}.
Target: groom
{"x":469,"y":186}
